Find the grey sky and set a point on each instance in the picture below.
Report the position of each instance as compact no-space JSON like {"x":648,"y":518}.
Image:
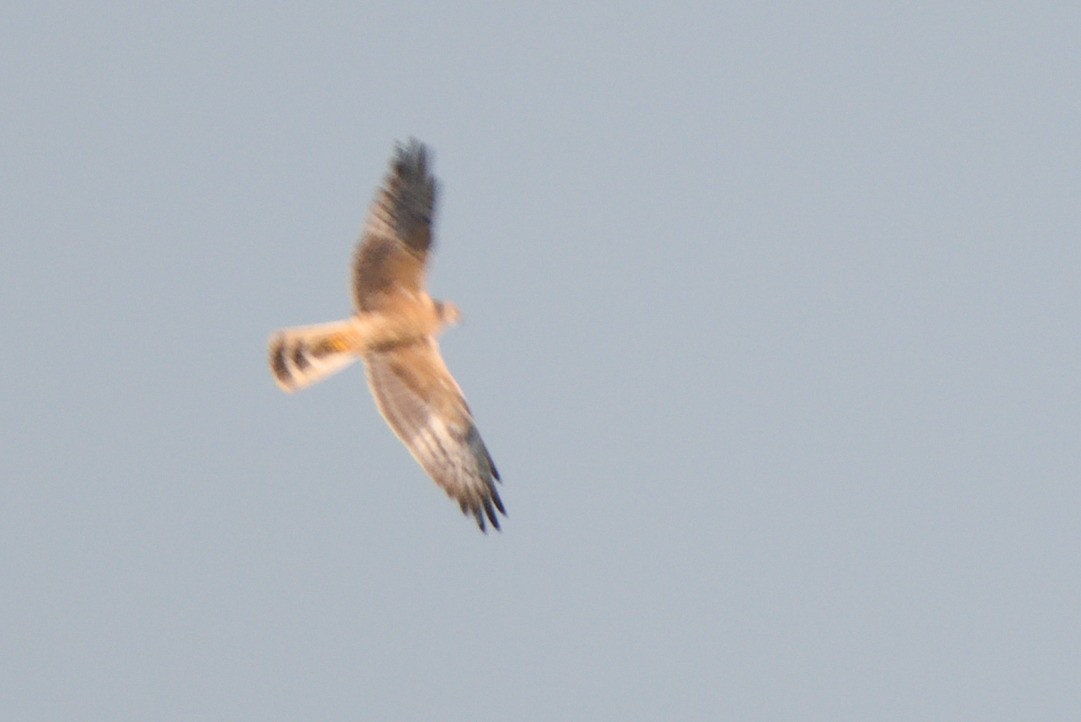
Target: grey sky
{"x":771,"y":325}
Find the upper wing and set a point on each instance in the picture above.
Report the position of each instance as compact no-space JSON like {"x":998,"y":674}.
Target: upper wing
{"x":424,"y":406}
{"x":398,"y":232}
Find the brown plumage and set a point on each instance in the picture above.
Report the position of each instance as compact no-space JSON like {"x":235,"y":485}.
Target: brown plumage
{"x":393,"y":331}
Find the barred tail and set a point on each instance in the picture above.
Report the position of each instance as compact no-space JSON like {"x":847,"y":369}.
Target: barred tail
{"x":304,"y":355}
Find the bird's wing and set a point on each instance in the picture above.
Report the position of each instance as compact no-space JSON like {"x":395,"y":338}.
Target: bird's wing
{"x":426,"y":410}
{"x":398,"y":232}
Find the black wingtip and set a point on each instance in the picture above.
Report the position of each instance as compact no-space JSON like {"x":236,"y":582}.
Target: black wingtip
{"x":498,"y":502}
{"x":411,"y":158}
{"x":490,"y":512}
{"x":491,"y":465}
{"x":485,"y":512}
{"x":480,"y":520}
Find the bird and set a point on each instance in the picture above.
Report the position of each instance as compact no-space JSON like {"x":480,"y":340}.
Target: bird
{"x":393,"y":332}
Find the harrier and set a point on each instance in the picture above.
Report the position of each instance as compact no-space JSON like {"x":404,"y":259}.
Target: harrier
{"x":393,"y":332}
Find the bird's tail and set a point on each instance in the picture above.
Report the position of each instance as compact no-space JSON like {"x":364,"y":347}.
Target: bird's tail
{"x":304,"y":355}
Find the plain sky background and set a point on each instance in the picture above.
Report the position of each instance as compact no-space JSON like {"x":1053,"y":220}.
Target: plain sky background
{"x":771,"y":325}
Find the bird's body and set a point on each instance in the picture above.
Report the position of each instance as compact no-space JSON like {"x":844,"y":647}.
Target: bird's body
{"x":393,"y":332}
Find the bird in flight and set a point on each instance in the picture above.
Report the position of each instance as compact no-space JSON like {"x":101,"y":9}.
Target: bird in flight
{"x":393,"y":332}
